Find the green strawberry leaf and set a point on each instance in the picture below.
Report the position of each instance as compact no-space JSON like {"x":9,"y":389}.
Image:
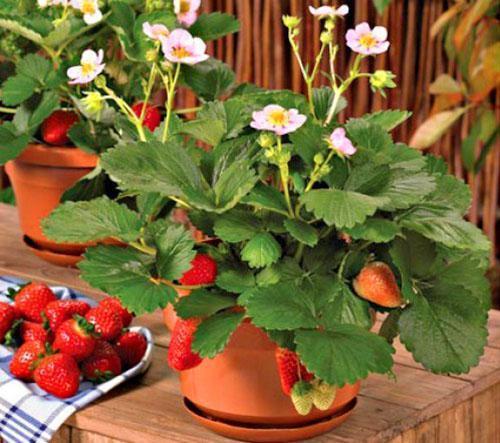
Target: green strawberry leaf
{"x":175,"y":252}
{"x":343,"y":354}
{"x":236,"y":226}
{"x":266,"y":197}
{"x":302,"y":232}
{"x":235,"y":280}
{"x":388,"y":119}
{"x":215,"y":25}
{"x":203,"y":303}
{"x":213,"y":334}
{"x":377,"y":230}
{"x":16,"y":89}
{"x":126,"y":274}
{"x":262,"y":250}
{"x":96,"y":219}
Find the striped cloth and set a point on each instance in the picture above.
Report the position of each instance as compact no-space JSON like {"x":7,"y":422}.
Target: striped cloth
{"x":30,"y":415}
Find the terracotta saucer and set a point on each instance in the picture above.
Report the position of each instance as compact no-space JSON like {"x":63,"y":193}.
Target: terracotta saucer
{"x":56,"y":258}
{"x":270,"y":433}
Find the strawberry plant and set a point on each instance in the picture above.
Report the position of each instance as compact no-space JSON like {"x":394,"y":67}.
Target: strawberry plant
{"x":314,"y":223}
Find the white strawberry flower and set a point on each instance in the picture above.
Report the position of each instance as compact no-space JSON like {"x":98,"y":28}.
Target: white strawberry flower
{"x":329,"y":11}
{"x":89,"y":9}
{"x":181,"y":47}
{"x":155,"y":31}
{"x":90,"y":67}
{"x":186,"y":11}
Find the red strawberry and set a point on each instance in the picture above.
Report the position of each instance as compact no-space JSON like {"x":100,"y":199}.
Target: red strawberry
{"x":24,"y":360}
{"x":103,"y":364}
{"x":75,"y":337}
{"x":376,"y":283}
{"x":56,"y":126}
{"x":180,"y":354}
{"x":58,"y":311}
{"x":115,"y":305}
{"x":31,"y":331}
{"x":32,"y":299}
{"x":7,"y":317}
{"x":290,"y":369}
{"x":131,"y":347}
{"x":152,"y":116}
{"x":108,"y":324}
{"x":58,"y":375}
{"x":203,"y":271}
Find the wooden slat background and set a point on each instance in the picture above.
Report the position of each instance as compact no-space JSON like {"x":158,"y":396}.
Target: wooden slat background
{"x":260,"y":53}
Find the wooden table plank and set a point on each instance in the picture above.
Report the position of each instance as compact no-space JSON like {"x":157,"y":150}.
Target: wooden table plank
{"x":418,"y":405}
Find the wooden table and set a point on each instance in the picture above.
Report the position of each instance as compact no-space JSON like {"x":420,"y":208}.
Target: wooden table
{"x":419,"y":407}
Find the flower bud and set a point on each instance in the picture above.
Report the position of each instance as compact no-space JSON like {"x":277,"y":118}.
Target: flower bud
{"x":382,"y":79}
{"x":326,"y":37}
{"x":319,"y":159}
{"x":330,"y":24}
{"x":100,"y":81}
{"x":290,"y":21}
{"x":93,"y":103}
{"x":265,"y":140}
{"x":269,"y":153}
{"x":151,"y":55}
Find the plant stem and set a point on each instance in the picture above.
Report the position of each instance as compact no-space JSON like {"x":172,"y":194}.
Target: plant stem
{"x":283,"y":166}
{"x":143,"y":248}
{"x":170,"y":101}
{"x":149,"y":88}
{"x":7,"y":110}
{"x":187,"y":110}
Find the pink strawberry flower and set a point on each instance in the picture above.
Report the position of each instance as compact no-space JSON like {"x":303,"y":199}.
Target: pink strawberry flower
{"x":277,"y":119}
{"x":340,"y":143}
{"x":90,"y":67}
{"x":156,"y":32}
{"x":367,"y":41}
{"x":329,"y":11}
{"x":186,"y":11}
{"x":181,"y":47}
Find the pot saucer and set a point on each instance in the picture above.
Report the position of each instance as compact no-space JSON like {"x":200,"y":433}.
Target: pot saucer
{"x":56,"y":258}
{"x":270,"y":433}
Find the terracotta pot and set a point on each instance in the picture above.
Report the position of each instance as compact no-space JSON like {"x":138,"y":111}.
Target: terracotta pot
{"x":169,"y":315}
{"x":247,"y":391}
{"x":39,"y":177}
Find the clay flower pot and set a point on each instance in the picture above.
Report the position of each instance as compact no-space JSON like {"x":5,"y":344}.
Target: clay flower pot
{"x":238,"y":394}
{"x":39,"y":177}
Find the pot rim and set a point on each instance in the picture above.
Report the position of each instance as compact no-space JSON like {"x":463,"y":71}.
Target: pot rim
{"x":57,"y":156}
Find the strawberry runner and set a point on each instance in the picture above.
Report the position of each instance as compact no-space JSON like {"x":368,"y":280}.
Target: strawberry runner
{"x":27,"y":413}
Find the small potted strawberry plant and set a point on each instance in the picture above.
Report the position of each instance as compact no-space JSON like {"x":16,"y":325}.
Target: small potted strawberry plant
{"x":318,"y":224}
{"x":55,"y":127}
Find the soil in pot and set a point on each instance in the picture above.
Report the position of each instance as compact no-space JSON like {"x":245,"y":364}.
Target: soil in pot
{"x":39,"y":177}
{"x":247,"y":390}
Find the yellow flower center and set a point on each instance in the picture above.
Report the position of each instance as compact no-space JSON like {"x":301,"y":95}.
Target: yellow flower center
{"x":180,"y":52}
{"x":88,"y":7}
{"x":367,"y":40}
{"x":184,"y":6}
{"x":87,"y":68}
{"x":278,"y":118}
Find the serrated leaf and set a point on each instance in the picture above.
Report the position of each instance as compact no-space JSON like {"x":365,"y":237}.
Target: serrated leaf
{"x":59,"y":35}
{"x":96,"y":219}
{"x":446,"y":227}
{"x":215,"y":25}
{"x":19,"y":28}
{"x":89,"y":187}
{"x":125,"y":273}
{"x":213,"y":334}
{"x":11,"y":144}
{"x":445,"y":329}
{"x":344,"y":209}
{"x":236,"y":280}
{"x":388,"y":119}
{"x":203,"y":303}
{"x":17,"y":89}
{"x":282,"y":307}
{"x":35,"y":67}
{"x":377,"y":230}
{"x":344,"y":354}
{"x":451,"y":193}
{"x":390,"y":327}
{"x":235,"y":226}
{"x":301,"y":231}
{"x":175,"y":252}
{"x":368,"y":136}
{"x":206,"y":130}
{"x":308,"y":140}
{"x":266,"y":197}
{"x":323,"y":100}
{"x":262,"y":250}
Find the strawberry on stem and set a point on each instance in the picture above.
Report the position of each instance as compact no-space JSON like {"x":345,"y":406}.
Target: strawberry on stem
{"x":377,"y":284}
{"x":32,"y":299}
{"x":203,"y":271}
{"x":25,"y":358}
{"x":131,"y":347}
{"x":58,"y":375}
{"x":75,"y":337}
{"x":56,"y":126}
{"x":152,"y":116}
{"x":115,"y":305}
{"x":290,"y":369}
{"x":103,"y":364}
{"x":107,"y":323}
{"x":180,"y":355}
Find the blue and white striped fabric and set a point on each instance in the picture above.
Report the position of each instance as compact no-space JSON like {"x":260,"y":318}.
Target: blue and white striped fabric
{"x":30,"y":415}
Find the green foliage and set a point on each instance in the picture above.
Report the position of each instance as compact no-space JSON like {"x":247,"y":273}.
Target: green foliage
{"x":262,"y":250}
{"x":213,"y":334}
{"x":175,"y":252}
{"x":215,"y":25}
{"x":302,"y":232}
{"x":388,"y":119}
{"x":203,"y":303}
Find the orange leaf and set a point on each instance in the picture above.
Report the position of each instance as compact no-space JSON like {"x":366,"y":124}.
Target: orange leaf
{"x":471,"y":17}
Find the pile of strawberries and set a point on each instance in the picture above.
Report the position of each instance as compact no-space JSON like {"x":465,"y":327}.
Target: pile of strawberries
{"x":61,"y":341}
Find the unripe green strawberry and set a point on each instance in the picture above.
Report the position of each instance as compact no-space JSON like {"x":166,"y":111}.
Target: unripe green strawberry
{"x":302,"y":397}
{"x":377,"y":284}
{"x":323,"y":395}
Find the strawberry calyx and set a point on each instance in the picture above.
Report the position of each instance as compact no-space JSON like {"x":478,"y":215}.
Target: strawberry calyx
{"x":12,"y":337}
{"x":101,"y":376}
{"x":85,"y":326}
